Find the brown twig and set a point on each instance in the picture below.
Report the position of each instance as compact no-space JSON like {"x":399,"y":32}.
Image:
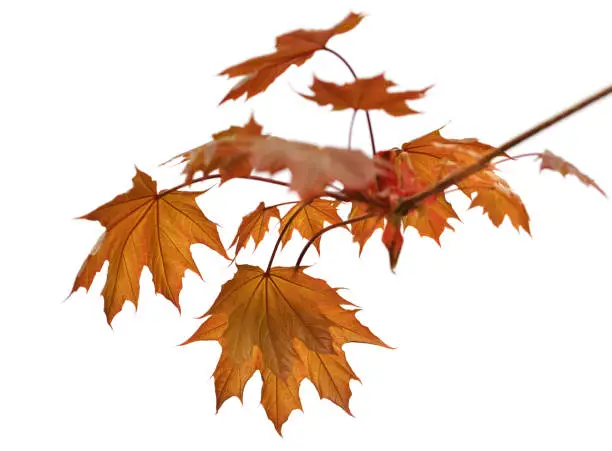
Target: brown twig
{"x":457,"y":176}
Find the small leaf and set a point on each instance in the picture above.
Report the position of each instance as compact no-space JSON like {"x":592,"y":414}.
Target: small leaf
{"x":392,"y":238}
{"x":254,"y":225}
{"x":363,"y":230}
{"x":564,"y":167}
{"x":431,"y":218}
{"x":364,"y":94}
{"x":310,"y":220}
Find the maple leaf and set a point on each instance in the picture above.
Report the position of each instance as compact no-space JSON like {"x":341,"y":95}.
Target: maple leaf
{"x":433,"y":156}
{"x":363,"y":230}
{"x":431,"y":218}
{"x":364,"y":94}
{"x":146,"y":228}
{"x":295,"y":47}
{"x":496,"y":198}
{"x":254,"y":225}
{"x":564,"y":167}
{"x":289,"y":326}
{"x":310,"y":220}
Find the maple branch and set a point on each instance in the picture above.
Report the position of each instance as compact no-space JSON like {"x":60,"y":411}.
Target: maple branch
{"x":337,"y":196}
{"x":455,"y":177}
{"x":284,"y":230}
{"x":327,"y":229}
{"x":350,"y":68}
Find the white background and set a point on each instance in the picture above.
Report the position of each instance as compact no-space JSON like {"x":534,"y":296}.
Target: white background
{"x":504,"y":342}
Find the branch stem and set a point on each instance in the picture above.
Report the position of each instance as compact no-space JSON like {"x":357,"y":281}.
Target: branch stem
{"x":284,"y":231}
{"x":367,"y":113}
{"x":337,"y":196}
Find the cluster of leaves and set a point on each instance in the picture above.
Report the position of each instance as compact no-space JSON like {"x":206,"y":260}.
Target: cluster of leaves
{"x":280,"y":321}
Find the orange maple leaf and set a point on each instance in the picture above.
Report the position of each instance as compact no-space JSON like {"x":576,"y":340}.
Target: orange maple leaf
{"x":295,"y":47}
{"x":433,"y":156}
{"x":564,"y":167}
{"x":364,"y":94}
{"x":254,"y":225}
{"x":431,"y":218}
{"x":496,"y":198}
{"x":287,"y":325}
{"x":146,"y":228}
{"x":310,"y":220}
{"x":363,"y":230}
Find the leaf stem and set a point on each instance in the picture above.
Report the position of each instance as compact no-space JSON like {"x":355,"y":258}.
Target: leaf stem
{"x":284,"y":230}
{"x":327,"y":229}
{"x":509,"y":158}
{"x":350,"y":68}
{"x":281,"y":204}
{"x":337,"y":196}
{"x":350,"y":138}
{"x":456,"y":176}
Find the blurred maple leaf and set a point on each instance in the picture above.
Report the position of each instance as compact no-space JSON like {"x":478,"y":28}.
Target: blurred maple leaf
{"x":560,"y":165}
{"x":239,"y":151}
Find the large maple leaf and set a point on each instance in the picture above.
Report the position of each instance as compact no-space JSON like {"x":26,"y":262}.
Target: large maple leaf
{"x":295,"y":47}
{"x":146,"y":228}
{"x":287,"y":325}
{"x":364,"y":94}
{"x":310,"y":219}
